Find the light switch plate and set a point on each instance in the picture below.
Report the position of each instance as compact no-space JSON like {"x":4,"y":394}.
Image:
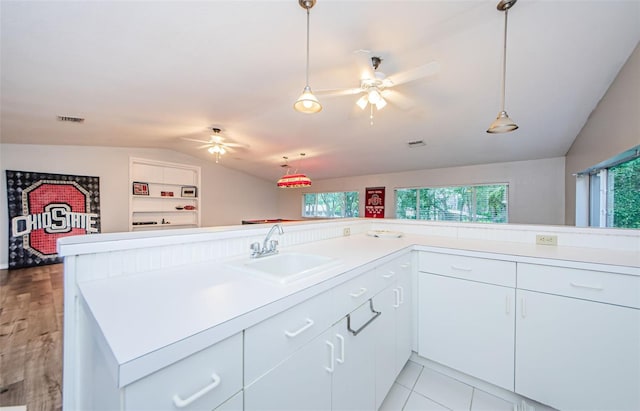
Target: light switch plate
{"x":346,"y":231}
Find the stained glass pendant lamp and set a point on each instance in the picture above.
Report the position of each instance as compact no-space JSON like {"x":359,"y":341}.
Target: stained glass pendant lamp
{"x":295,"y":180}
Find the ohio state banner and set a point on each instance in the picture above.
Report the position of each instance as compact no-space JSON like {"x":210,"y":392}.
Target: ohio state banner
{"x":374,"y":205}
{"x":44,"y":207}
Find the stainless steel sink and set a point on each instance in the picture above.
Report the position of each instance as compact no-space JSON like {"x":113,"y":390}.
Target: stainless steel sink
{"x":284,"y":268}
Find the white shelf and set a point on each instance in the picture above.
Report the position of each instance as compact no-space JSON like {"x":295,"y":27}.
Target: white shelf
{"x":159,"y":177}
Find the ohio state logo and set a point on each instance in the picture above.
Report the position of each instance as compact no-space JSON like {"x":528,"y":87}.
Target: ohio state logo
{"x":51,"y":210}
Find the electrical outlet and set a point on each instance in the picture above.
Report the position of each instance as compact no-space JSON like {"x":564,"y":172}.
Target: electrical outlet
{"x":346,"y":231}
{"x":546,"y":239}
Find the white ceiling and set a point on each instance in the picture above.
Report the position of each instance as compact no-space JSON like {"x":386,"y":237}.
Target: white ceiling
{"x":146,"y":73}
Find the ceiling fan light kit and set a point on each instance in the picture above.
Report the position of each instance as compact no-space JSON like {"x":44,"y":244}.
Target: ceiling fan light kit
{"x":307,"y":102}
{"x":503,"y":123}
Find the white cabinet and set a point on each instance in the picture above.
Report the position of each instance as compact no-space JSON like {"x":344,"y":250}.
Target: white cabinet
{"x":353,"y":384}
{"x":202,"y":381}
{"x":300,"y":382}
{"x":574,"y":352}
{"x":332,"y":371}
{"x":467,"y":324}
{"x":163,"y":195}
{"x":394,"y":328}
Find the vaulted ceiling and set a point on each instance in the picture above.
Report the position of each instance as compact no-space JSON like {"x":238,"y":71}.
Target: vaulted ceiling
{"x":149,"y":73}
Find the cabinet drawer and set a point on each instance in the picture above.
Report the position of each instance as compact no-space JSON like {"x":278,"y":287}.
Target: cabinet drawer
{"x":350,"y":295}
{"x":201,"y":381}
{"x":271,"y":341}
{"x":395,"y":269}
{"x":591,"y":285}
{"x":469,"y":268}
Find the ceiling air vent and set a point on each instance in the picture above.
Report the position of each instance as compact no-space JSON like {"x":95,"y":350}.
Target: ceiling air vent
{"x":71,"y":119}
{"x":416,"y":143}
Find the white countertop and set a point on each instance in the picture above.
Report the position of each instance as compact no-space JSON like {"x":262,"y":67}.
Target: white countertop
{"x":160,"y":316}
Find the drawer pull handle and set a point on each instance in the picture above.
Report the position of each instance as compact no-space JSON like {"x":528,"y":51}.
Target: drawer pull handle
{"x":391,"y":274}
{"x":180,"y":403}
{"x":401,"y":295}
{"x":458,"y":268}
{"x":332,"y":352}
{"x":341,"y":359}
{"x":396,"y":293}
{"x":590,"y":287}
{"x":359,"y":330}
{"x":305,"y":327}
{"x":405,"y":265}
{"x":359,"y":293}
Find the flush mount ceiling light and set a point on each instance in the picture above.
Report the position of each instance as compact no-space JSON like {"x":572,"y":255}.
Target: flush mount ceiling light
{"x":294,"y":180}
{"x":502,"y":123}
{"x":307,"y":102}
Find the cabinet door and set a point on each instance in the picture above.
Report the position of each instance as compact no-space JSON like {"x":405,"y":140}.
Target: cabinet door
{"x":301,"y":382}
{"x":468,"y":326}
{"x":385,"y":330}
{"x":577,"y":354}
{"x":404,"y":320}
{"x":353,"y":385}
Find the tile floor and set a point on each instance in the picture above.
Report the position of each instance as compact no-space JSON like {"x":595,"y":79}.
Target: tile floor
{"x":419,"y":388}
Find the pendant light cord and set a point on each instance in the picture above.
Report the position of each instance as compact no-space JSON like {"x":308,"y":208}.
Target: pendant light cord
{"x":504,"y":60}
{"x":307,"y":83}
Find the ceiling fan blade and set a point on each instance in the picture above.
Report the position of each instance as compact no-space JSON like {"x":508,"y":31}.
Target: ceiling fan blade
{"x":204,"y":146}
{"x":412,"y":74}
{"x":399,"y":100}
{"x":195,"y":140}
{"x":338,"y":92}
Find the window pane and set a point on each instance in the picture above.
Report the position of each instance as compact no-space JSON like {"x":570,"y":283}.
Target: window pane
{"x":331,"y":205}
{"x":623,"y":195}
{"x":406,"y":203}
{"x":485,"y":203}
{"x":491,"y":204}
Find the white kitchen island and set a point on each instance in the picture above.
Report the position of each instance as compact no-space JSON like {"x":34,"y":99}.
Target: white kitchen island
{"x":145,"y":311}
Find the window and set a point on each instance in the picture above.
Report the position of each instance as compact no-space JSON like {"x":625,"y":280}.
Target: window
{"x":608,"y":194}
{"x":480,"y":203}
{"x":331,"y":205}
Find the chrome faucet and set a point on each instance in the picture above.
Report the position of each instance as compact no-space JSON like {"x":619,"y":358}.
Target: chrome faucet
{"x":268,"y":246}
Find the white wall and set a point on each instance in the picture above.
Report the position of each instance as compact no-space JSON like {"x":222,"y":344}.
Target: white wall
{"x":228,"y":196}
{"x":612,"y":128}
{"x":536,"y":188}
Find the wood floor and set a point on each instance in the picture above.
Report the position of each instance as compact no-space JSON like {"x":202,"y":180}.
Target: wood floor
{"x":31,"y":302}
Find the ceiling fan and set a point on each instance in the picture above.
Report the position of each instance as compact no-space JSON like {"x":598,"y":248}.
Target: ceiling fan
{"x":217,"y":145}
{"x":375,"y":86}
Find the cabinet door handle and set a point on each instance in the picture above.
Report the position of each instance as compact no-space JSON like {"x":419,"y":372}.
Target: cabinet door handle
{"x":590,"y":287}
{"x":396,"y":293}
{"x":305,"y":327}
{"x":391,"y":274}
{"x":523,"y":308}
{"x":508,"y":305}
{"x":458,"y":268}
{"x":341,"y":359}
{"x":359,"y":293}
{"x":180,"y":403}
{"x":332,"y":352}
{"x":401,"y":294}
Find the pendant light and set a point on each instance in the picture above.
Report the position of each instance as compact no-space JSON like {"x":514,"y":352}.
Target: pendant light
{"x":307,"y":102}
{"x":295,"y":180}
{"x":502,"y":123}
